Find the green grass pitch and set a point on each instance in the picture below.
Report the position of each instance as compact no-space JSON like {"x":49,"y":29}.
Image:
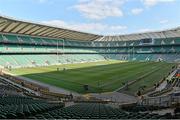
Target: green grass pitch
{"x":103,"y":76}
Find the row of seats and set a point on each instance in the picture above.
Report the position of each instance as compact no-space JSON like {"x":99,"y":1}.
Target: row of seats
{"x":95,"y":111}
{"x":144,"y":57}
{"x":158,"y":57}
{"x":46,"y":41}
{"x":16,"y":61}
{"x":141,"y":108}
{"x":45,"y":49}
{"x":14,"y":107}
{"x":11,"y":100}
{"x":6,"y":89}
{"x":22,"y":107}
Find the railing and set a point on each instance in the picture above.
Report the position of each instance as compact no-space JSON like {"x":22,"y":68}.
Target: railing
{"x":166,"y":101}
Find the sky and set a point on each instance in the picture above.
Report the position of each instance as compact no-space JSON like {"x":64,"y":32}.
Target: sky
{"x":104,"y":17}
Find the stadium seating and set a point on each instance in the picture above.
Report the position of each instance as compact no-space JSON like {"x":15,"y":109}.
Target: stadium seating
{"x":171,"y":83}
{"x":27,"y":51}
{"x":18,"y":107}
{"x":31,"y":60}
{"x":11,"y":38}
{"x":14,"y":107}
{"x":16,"y":61}
{"x":25,"y":39}
{"x":46,"y":41}
{"x":95,"y":111}
{"x":141,"y":108}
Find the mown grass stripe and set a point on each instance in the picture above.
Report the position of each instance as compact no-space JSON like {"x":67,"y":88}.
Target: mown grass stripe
{"x":110,"y":74}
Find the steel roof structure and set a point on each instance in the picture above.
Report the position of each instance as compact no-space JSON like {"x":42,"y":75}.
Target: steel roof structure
{"x":14,"y":26}
{"x":171,"y":33}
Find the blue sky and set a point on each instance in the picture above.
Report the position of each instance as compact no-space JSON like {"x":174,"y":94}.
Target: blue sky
{"x":105,"y":17}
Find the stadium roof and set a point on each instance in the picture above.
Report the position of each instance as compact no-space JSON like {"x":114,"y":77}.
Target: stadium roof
{"x":14,"y":26}
{"x":11,"y":25}
{"x":171,"y":33}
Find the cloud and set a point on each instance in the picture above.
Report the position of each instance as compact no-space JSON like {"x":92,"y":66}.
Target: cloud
{"x":97,"y":28}
{"x":144,"y":30}
{"x":100,"y":9}
{"x":150,"y":3}
{"x":40,"y":1}
{"x":136,"y":11}
{"x":164,"y":21}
